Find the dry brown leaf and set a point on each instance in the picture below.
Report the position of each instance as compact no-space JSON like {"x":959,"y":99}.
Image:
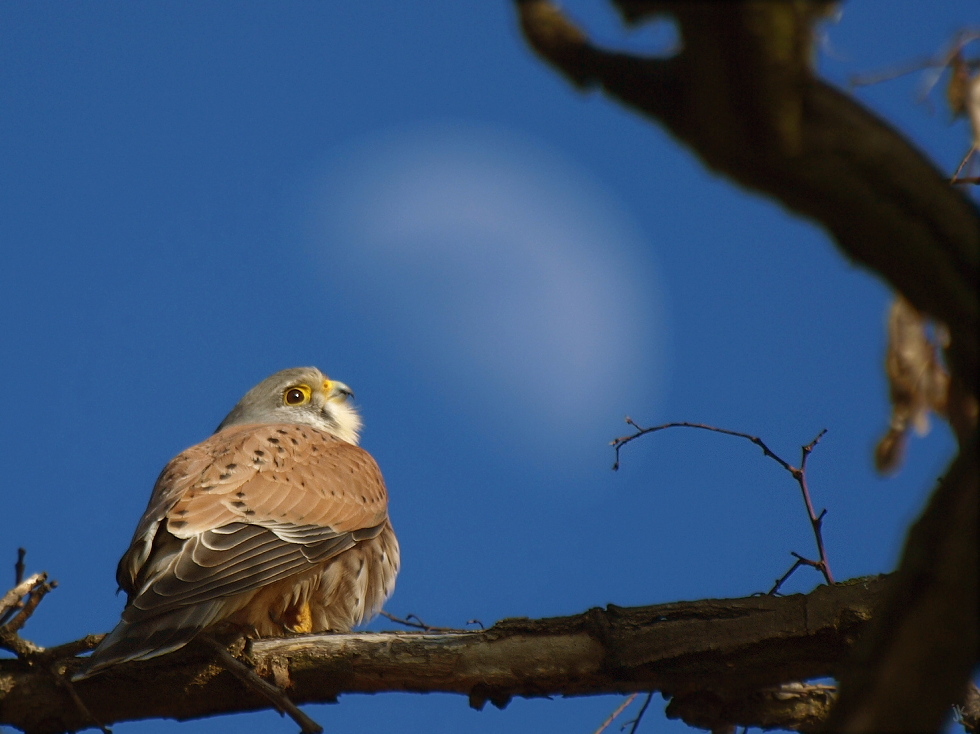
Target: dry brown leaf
{"x":918,"y":383}
{"x":963,"y":97}
{"x":956,"y":89}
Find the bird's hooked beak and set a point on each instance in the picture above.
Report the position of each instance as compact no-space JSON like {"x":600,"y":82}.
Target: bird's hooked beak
{"x":336,"y":390}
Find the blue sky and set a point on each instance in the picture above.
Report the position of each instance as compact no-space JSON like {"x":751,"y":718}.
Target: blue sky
{"x":194,"y":196}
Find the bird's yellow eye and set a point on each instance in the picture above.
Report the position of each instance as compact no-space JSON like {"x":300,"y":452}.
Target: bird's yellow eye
{"x":297,"y":395}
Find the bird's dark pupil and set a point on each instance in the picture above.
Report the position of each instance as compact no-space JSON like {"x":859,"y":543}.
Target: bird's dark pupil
{"x":294,"y":396}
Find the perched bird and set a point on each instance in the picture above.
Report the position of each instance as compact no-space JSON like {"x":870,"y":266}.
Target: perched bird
{"x":276,"y":523}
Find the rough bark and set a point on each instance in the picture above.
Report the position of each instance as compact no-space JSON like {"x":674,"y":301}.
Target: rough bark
{"x":732,"y":649}
{"x":741,"y":94}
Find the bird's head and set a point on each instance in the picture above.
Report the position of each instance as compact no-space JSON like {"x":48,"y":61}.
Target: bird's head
{"x":301,"y":395}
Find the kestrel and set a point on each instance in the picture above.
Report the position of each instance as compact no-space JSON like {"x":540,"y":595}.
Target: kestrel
{"x":276,"y":523}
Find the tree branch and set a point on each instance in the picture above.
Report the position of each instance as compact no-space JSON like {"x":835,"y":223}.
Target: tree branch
{"x":678,"y":649}
{"x":741,"y":94}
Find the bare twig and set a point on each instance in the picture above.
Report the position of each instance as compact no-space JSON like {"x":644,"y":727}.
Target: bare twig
{"x":816,"y":521}
{"x":877,"y":77}
{"x":15,"y":611}
{"x":639,"y":717}
{"x":274,"y":694}
{"x":10,"y":602}
{"x":955,"y":179}
{"x":619,"y":709}
{"x":950,"y":58}
{"x":407,"y":621}
{"x":799,"y":474}
{"x":618,"y":443}
{"x":782,"y":579}
{"x":39,"y":591}
{"x":19,"y":566}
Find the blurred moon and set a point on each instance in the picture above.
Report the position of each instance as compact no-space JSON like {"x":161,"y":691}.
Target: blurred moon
{"x":500,"y":272}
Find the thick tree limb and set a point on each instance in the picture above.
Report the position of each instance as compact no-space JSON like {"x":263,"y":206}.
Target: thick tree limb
{"x":741,"y":94}
{"x":731,"y":647}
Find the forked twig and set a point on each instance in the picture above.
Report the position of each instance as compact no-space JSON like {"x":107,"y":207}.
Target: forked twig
{"x":38,"y":592}
{"x":11,"y":603}
{"x":798,"y":473}
{"x":15,"y":610}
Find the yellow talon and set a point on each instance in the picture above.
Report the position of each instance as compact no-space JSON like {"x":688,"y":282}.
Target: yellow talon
{"x":303,"y":619}
{"x":298,"y":620}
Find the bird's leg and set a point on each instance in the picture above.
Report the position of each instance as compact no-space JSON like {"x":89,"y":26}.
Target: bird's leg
{"x":304,"y":619}
{"x":298,"y":619}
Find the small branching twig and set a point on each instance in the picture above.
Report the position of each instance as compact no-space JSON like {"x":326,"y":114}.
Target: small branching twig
{"x":816,"y":521}
{"x":612,"y":717}
{"x":11,"y":603}
{"x":37,"y":592}
{"x":415,"y":622}
{"x":15,"y":609}
{"x":798,"y":473}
